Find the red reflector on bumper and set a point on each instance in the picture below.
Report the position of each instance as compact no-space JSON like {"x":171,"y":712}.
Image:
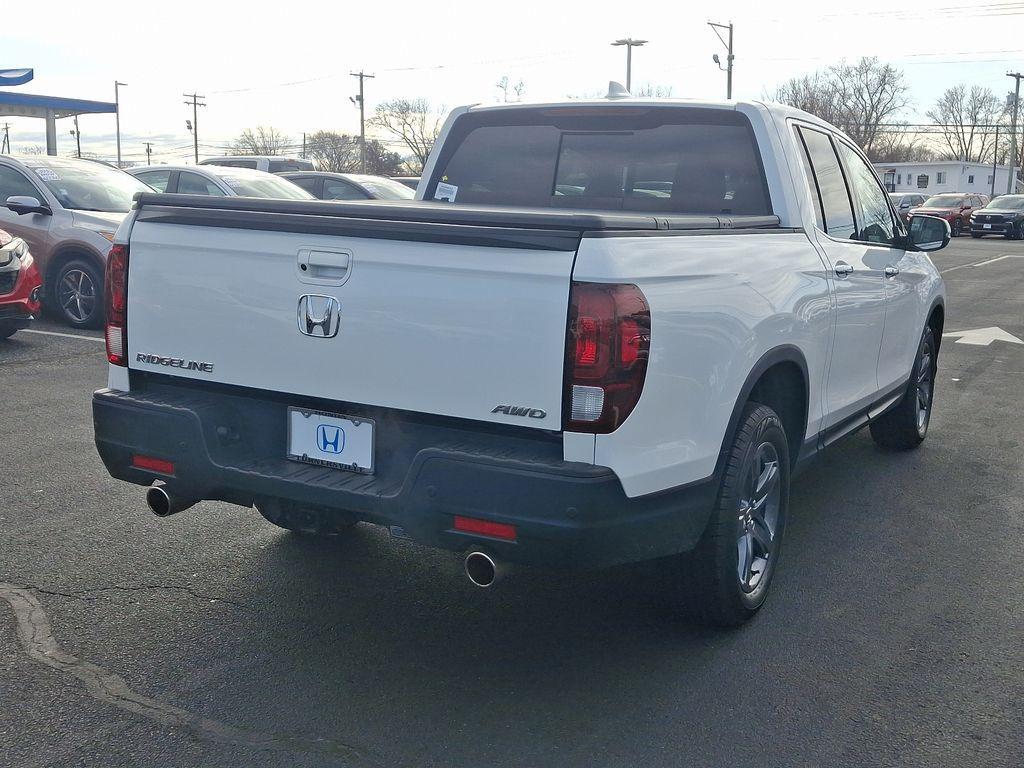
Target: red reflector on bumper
{"x":153,"y":465}
{"x":485,"y":528}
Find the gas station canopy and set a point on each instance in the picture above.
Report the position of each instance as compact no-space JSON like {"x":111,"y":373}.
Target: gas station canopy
{"x":50,"y":108}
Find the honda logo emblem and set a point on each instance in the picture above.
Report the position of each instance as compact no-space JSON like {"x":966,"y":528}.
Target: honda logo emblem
{"x":319,"y":316}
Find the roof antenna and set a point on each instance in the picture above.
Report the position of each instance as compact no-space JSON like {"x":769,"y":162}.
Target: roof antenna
{"x":616,"y":91}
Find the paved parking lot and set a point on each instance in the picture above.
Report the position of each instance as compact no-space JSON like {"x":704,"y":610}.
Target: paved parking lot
{"x":893,"y":636}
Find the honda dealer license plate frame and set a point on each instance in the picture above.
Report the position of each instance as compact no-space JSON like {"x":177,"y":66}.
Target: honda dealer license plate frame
{"x":348,"y":440}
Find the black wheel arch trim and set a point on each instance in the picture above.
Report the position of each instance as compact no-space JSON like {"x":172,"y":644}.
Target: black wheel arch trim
{"x":69,"y":253}
{"x":784,"y":353}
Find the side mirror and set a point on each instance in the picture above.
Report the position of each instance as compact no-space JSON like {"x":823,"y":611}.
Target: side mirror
{"x":929,"y":233}
{"x":22,"y":204}
{"x":904,"y":205}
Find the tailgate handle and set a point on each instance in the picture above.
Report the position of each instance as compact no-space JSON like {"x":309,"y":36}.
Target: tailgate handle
{"x":321,"y":267}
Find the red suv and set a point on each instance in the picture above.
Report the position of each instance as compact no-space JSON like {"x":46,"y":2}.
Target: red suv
{"x":954,"y":207}
{"x":20,"y":285}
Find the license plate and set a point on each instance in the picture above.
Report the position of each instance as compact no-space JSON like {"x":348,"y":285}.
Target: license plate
{"x":986,"y":226}
{"x":330,"y":440}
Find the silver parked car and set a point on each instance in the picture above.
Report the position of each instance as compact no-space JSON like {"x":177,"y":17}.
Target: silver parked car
{"x":67,"y":211}
{"x":350,"y":186}
{"x":218,"y":181}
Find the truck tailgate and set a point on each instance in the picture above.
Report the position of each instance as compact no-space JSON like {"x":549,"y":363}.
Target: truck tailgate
{"x":431,"y":319}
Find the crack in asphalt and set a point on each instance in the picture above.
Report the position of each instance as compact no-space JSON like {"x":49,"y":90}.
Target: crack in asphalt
{"x":36,"y":636}
{"x":83,"y":594}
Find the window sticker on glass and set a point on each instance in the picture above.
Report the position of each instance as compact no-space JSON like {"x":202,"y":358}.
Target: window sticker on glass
{"x":446,"y":192}
{"x":47,"y":175}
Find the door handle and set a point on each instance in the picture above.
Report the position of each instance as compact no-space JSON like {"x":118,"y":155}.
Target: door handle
{"x":891,"y":271}
{"x":843,"y":269}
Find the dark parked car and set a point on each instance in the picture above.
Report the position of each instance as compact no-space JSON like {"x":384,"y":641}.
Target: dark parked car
{"x":1003,"y":216}
{"x":349,"y":186}
{"x":904,"y":202}
{"x":954,"y":207}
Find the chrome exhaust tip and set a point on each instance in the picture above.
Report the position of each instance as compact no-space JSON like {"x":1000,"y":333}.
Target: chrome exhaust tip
{"x":163,"y":504}
{"x":481,"y":569}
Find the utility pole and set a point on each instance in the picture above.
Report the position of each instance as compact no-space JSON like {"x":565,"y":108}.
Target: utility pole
{"x":5,"y":147}
{"x":149,"y":152}
{"x":194,"y":100}
{"x":361,"y":102}
{"x":995,"y":159}
{"x":630,"y":44}
{"x":78,"y":139}
{"x":728,"y":47}
{"x":303,"y":145}
{"x":117,"y":118}
{"x":1011,"y":183}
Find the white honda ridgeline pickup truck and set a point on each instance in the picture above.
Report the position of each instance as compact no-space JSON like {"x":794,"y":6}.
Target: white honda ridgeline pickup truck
{"x":609,"y":331}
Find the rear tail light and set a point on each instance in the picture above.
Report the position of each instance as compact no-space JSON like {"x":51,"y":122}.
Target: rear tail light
{"x":606,"y":349}
{"x":115,"y":289}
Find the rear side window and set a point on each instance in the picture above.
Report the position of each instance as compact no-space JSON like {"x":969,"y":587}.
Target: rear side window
{"x":835,"y":198}
{"x":279,"y":166}
{"x":679,"y":160}
{"x":156,"y":179}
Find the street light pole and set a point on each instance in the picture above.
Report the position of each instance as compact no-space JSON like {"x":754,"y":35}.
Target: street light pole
{"x":194,"y":100}
{"x":361,"y":100}
{"x":117,"y":118}
{"x":729,"y":56}
{"x":630,"y":43}
{"x":78,"y":139}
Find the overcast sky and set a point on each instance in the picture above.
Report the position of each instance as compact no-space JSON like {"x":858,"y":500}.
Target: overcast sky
{"x":287,"y":65}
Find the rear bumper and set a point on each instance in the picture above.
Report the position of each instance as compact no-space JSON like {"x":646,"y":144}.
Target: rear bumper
{"x":230,"y":447}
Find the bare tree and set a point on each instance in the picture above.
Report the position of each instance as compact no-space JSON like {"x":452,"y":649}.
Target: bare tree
{"x":963,"y":116}
{"x":260,"y":141}
{"x":899,"y":144}
{"x":655,"y":91}
{"x":332,"y":151}
{"x":414,"y":122}
{"x":510,"y":92}
{"x":858,"y":98}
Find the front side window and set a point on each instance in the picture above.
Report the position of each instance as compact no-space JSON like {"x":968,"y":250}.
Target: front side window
{"x":670,"y":159}
{"x":156,"y":179}
{"x":13,"y":183}
{"x":875,"y":224}
{"x":835,"y":199}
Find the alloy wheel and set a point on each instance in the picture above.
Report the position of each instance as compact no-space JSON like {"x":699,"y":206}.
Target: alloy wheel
{"x":760,"y":501}
{"x":924,"y":389}
{"x":76,"y":295}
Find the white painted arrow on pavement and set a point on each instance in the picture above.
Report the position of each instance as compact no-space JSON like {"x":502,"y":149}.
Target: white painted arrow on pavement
{"x":982,"y":337}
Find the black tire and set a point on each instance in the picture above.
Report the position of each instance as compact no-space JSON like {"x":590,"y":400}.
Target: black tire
{"x":7,"y":330}
{"x":77,"y":294}
{"x":712,"y":588}
{"x":906,"y":426}
{"x":304,"y":520}
{"x":976,"y":234}
{"x":957,"y":227}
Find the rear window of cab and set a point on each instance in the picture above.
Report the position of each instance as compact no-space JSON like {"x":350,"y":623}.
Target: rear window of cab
{"x":628,"y":158}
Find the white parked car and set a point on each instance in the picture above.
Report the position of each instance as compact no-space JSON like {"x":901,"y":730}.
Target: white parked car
{"x":614,"y":333}
{"x":217,"y":181}
{"x":265,"y":163}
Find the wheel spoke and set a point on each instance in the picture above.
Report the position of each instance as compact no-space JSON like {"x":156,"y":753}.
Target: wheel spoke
{"x":745,"y":556}
{"x":762,"y":535}
{"x":765,"y":484}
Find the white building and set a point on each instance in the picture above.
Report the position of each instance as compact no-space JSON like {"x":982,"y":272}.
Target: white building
{"x":944,"y":176}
